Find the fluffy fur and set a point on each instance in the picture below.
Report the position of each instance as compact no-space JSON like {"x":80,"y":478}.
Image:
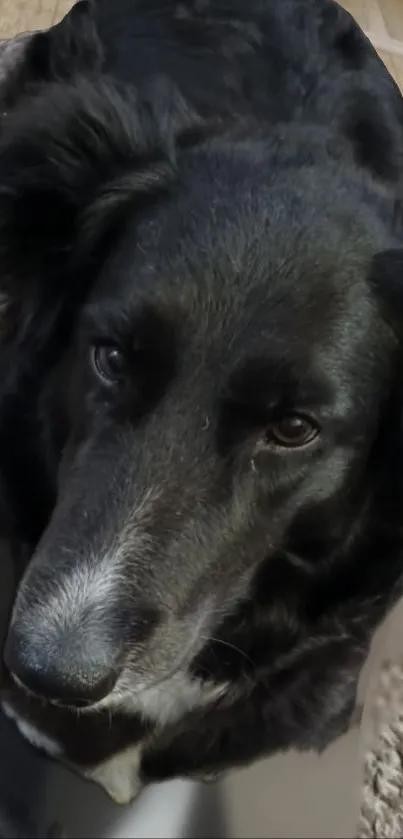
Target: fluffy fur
{"x":200,"y":236}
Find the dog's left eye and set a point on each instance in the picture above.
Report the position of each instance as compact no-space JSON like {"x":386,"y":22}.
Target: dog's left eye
{"x":108,"y":362}
{"x":292,"y":432}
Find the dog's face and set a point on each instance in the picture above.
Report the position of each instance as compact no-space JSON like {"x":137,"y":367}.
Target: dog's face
{"x":219,"y":395}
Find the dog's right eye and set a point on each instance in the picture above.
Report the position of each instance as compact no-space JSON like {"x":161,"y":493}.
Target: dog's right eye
{"x":108,"y":362}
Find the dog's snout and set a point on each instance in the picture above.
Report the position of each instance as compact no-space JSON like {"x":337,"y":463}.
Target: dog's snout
{"x":68,"y":672}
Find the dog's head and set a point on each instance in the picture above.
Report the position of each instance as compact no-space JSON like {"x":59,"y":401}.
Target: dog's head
{"x":216,"y":375}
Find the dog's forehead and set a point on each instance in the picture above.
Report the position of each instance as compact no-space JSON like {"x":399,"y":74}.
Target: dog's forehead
{"x":243,"y":279}
{"x":244,"y":263}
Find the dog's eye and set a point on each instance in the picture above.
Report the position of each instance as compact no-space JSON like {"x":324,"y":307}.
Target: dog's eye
{"x":292,"y":432}
{"x":108,"y":362}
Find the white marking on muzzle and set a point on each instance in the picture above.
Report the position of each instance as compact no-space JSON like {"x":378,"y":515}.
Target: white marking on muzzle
{"x":166,"y":701}
{"x":92,"y":581}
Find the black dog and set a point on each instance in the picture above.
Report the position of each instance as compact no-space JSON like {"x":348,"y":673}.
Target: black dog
{"x":201,"y":398}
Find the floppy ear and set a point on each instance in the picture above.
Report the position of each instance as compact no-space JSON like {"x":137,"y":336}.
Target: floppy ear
{"x":71,"y":46}
{"x":32,"y":59}
{"x":73,"y":160}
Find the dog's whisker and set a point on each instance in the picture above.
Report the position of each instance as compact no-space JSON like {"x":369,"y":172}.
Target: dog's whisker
{"x":231,"y":646}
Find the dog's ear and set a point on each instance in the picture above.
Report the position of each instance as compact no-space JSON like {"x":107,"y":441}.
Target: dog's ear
{"x":72,"y":161}
{"x":70,"y":47}
{"x":59,"y":53}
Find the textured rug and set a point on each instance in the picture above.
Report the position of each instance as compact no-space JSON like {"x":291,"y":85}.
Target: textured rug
{"x":381,"y":804}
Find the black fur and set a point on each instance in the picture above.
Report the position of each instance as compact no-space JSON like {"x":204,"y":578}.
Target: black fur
{"x":215,"y":188}
{"x":22,"y":780}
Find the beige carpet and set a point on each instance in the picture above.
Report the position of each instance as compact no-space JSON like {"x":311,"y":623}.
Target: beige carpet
{"x":381,"y":792}
{"x":381,"y":808}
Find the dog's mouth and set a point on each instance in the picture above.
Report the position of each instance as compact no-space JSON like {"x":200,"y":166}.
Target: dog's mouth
{"x":69,"y":703}
{"x":119,"y":692}
{"x":129,"y":686}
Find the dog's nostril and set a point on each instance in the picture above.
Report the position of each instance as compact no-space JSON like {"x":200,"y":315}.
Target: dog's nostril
{"x":62,"y":674}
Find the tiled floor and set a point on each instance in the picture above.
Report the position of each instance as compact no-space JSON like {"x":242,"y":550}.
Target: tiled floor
{"x":382,"y":20}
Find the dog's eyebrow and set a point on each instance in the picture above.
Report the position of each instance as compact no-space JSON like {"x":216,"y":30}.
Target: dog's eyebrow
{"x":111,"y":316}
{"x":272,"y":382}
{"x":103,"y":320}
{"x":140,"y":326}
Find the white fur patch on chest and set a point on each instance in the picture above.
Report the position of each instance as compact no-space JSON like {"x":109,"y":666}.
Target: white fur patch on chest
{"x":163,"y":704}
{"x":119,"y":776}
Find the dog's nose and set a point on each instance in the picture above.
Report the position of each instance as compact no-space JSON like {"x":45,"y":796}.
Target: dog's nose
{"x":67,"y":673}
